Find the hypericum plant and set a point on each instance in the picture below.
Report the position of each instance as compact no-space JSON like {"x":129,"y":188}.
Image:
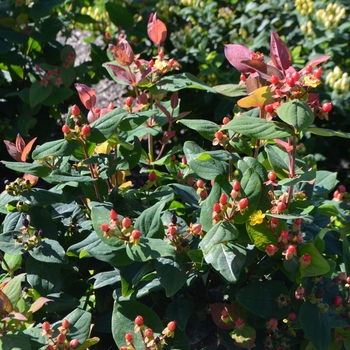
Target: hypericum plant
{"x":239,"y":243}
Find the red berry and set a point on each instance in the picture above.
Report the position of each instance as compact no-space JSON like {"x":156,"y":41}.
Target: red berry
{"x":107,"y":35}
{"x":128,"y":337}
{"x":184,"y":160}
{"x":284,"y":234}
{"x":296,"y":76}
{"x":219,"y":135}
{"x":269,"y":108}
{"x":274,"y":79}
{"x":217,"y":208}
{"x":236,"y":185}
{"x":65,"y":129}
{"x":104,"y":227}
{"x":242,"y":77}
{"x":126,"y":222}
{"x":243,"y":203}
{"x":139,"y":320}
{"x":342,"y":188}
{"x":223,"y":199}
{"x":152,"y":176}
{"x":161,"y":54}
{"x":318,"y":73}
{"x":75,"y":110}
{"x":337,"y":301}
{"x":86,"y":130}
{"x":281,"y":206}
{"x":46,"y":326}
{"x":129,"y":101}
{"x":135,"y":234}
{"x":308,"y":69}
{"x":73,"y":343}
{"x":121,"y":36}
{"x":113,"y":215}
{"x":272,"y":176}
{"x":297,"y":221}
{"x":65,"y":323}
{"x":327,"y":107}
{"x":170,"y":62}
{"x":348,"y":280}
{"x":307,"y":257}
{"x":291,"y":249}
{"x":226,"y":120}
{"x":292,"y":316}
{"x":290,"y":81}
{"x":273,"y":322}
{"x":274,"y":221}
{"x":204,"y":194}
{"x":200,"y":183}
{"x":151,"y":63}
{"x":171,"y":326}
{"x":149,"y":333}
{"x":172,"y":230}
{"x":61,"y":338}
{"x":179,"y":175}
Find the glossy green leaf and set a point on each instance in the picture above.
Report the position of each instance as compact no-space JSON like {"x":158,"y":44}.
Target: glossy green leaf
{"x":107,"y":278}
{"x":258,"y":128}
{"x":296,"y":113}
{"x":261,"y":236}
{"x":48,"y":250}
{"x":325,"y":183}
{"x":55,"y":148}
{"x":150,"y":223}
{"x":318,"y":266}
{"x":205,"y":128}
{"x":33,"y":169}
{"x":328,"y":132}
{"x":315,"y":324}
{"x":120,"y":15}
{"x":13,"y":262}
{"x":38,"y":93}
{"x":9,"y":245}
{"x":180,"y":310}
{"x":261,"y":298}
{"x":15,"y":341}
{"x":230,"y":90}
{"x":13,"y":289}
{"x":228,"y":259}
{"x":172,"y":274}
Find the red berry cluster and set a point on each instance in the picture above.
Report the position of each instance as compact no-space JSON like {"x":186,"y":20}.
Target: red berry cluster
{"x":227,"y":208}
{"x":122,"y":229}
{"x":151,"y":341}
{"x":59,"y":342}
{"x":340,"y":194}
{"x":200,"y":187}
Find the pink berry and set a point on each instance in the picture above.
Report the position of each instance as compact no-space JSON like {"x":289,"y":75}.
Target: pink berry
{"x":65,"y":129}
{"x":75,"y":110}
{"x":128,"y":337}
{"x":139,"y":320}
{"x":269,"y":108}
{"x":135,"y":234}
{"x":327,"y":107}
{"x":236,"y":185}
{"x":104,"y":227}
{"x":308,"y":69}
{"x":307,"y":257}
{"x":272,"y":176}
{"x":200,"y":183}
{"x":292,"y":316}
{"x":46,"y":326}
{"x":219,"y":135}
{"x":113,"y":215}
{"x":226,"y":120}
{"x":243,"y":203}
{"x":129,"y":101}
{"x":296,"y":76}
{"x":223,"y":199}
{"x":151,"y":63}
{"x":273,"y":322}
{"x":217,"y":208}
{"x":342,"y":188}
{"x":172,"y":326}
{"x":337,"y":301}
{"x":291,"y":249}
{"x":61,"y":338}
{"x":86,"y":130}
{"x":65,"y":323}
{"x":172,"y":230}
{"x":161,"y":54}
{"x":149,"y":333}
{"x":204,"y":194}
{"x":73,"y":343}
{"x":290,"y":81}
{"x":126,"y":222}
{"x":281,"y":206}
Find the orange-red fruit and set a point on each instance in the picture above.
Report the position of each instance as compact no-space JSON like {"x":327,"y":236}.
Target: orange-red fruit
{"x":152,"y":176}
{"x":113,"y":215}
{"x":65,"y":129}
{"x":242,"y":77}
{"x":273,"y":322}
{"x":269,"y":108}
{"x":236,"y":185}
{"x":135,"y":234}
{"x":307,"y":257}
{"x":128,"y":337}
{"x":139,"y":320}
{"x":327,"y":107}
{"x":73,"y":343}
{"x":65,"y":323}
{"x":172,"y":229}
{"x":226,"y":120}
{"x":217,"y":208}
{"x":274,"y":79}
{"x":272,"y":176}
{"x":149,"y":333}
{"x":86,"y":130}
{"x":219,"y":135}
{"x":243,"y":203}
{"x":223,"y":199}
{"x":308,"y":68}
{"x":61,"y":338}
{"x":291,"y":249}
{"x":296,"y":76}
{"x":75,"y":110}
{"x":46,"y":326}
{"x":318,"y":73}
{"x":126,"y":222}
{"x":290,"y":81}
{"x":200,"y":183}
{"x":170,"y":62}
{"x":161,"y":54}
{"x":172,"y":326}
{"x":337,"y":301}
{"x":151,"y":63}
{"x":104,"y":227}
{"x":281,"y":206}
{"x":129,"y":101}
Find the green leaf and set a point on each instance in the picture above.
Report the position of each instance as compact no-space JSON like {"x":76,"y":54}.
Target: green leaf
{"x":58,"y":176}
{"x":150,"y":223}
{"x":315,"y":324}
{"x":258,"y":128}
{"x":124,"y":314}
{"x":55,"y":148}
{"x":205,"y":128}
{"x":60,"y":302}
{"x":14,"y":262}
{"x":38,"y":93}
{"x":13,"y":289}
{"x":57,"y":96}
{"x":172,"y":274}
{"x":318,"y":266}
{"x":108,"y":278}
{"x":325,"y":183}
{"x":180,"y":310}
{"x":9,"y":245}
{"x":302,"y":177}
{"x":328,"y":132}
{"x":103,"y":128}
{"x":230,"y":90}
{"x":228,"y":259}
{"x":261,"y":298}
{"x":261,"y":236}
{"x":222,"y":232}
{"x":119,"y":15}
{"x":149,"y":248}
{"x":296,"y":113}
{"x":15,"y":341}
{"x":182,"y":81}
{"x":33,"y":169}
{"x":48,"y":250}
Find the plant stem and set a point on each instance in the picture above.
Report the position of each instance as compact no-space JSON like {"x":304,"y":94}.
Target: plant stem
{"x":291,"y":161}
{"x":2,"y":258}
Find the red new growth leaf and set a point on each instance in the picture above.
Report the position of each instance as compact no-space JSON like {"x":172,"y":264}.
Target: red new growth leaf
{"x":314,"y":63}
{"x":263,"y":69}
{"x":20,"y":150}
{"x":280,"y":54}
{"x":235,"y":54}
{"x":156,"y":29}
{"x":87,"y":95}
{"x":122,"y":52}
{"x":121,"y":73}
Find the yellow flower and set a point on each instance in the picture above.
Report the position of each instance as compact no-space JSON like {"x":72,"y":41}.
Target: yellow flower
{"x":313,"y":82}
{"x":256,"y":218}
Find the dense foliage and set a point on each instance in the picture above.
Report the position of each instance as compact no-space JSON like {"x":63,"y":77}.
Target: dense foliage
{"x":204,"y":213}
